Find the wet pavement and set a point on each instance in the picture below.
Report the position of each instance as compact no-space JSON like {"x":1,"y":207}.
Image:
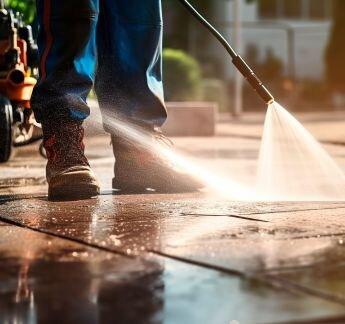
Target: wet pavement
{"x":183,"y":258}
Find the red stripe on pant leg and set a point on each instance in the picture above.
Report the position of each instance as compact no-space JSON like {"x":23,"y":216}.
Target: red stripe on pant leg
{"x":49,"y":38}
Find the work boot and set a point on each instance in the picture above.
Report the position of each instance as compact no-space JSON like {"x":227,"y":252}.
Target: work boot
{"x":141,"y":169}
{"x":68,"y":172}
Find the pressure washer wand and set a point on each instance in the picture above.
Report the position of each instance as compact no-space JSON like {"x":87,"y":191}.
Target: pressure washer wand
{"x":237,"y":60}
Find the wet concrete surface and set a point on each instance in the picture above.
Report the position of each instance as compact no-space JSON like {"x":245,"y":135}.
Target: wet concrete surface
{"x":284,"y":258}
{"x":190,"y":258}
{"x":45,"y":279}
{"x":49,"y":280}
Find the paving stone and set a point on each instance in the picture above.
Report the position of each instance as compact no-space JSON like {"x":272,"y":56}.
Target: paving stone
{"x":50,"y":280}
{"x":277,"y":261}
{"x":46,"y":279}
{"x":248,"y":241}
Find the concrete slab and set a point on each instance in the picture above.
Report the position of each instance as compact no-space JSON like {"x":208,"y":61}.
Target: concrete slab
{"x":326,"y":279}
{"x":191,"y":119}
{"x":251,"y":262}
{"x":44,"y":279}
{"x":47,"y":279}
{"x":271,"y":237}
{"x":177,"y":219}
{"x":223,"y":299}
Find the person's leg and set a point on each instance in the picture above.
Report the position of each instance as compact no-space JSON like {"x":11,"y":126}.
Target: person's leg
{"x":129,"y":74}
{"x":67,"y":62}
{"x":129,"y":87}
{"x":67,"y":58}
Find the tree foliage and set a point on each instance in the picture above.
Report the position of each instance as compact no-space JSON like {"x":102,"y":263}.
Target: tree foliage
{"x":26,"y":7}
{"x":182,"y":76}
{"x":335,"y":54}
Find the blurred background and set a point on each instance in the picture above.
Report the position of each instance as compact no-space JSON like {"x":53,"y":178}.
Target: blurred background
{"x":296,"y":47}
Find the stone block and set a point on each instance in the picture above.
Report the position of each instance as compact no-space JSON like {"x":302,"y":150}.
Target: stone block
{"x":191,"y":119}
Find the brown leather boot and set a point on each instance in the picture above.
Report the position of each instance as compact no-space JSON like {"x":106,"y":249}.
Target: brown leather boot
{"x":68,"y":172}
{"x":138,"y":169}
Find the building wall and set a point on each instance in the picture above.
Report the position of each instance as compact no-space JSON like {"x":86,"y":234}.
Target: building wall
{"x":307,"y":43}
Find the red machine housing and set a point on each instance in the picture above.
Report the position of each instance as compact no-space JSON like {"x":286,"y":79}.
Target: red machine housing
{"x":16,"y":84}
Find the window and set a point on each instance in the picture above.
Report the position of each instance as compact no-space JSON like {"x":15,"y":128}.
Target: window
{"x":295,"y":9}
{"x":320,"y":9}
{"x":268,"y":8}
{"x":291,"y":8}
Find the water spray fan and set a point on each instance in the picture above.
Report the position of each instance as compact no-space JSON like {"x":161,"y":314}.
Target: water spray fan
{"x":237,"y":60}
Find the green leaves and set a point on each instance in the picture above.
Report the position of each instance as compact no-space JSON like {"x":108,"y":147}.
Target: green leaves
{"x":26,"y":7}
{"x":182,"y":76}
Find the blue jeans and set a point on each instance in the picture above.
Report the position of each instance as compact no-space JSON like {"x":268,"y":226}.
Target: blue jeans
{"x":114,"y":44}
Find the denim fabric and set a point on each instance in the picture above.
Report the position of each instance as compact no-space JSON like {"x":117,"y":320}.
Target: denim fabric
{"x":115,"y":43}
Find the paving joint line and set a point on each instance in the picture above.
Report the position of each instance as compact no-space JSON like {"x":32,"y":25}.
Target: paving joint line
{"x":229,"y":271}
{"x":14,"y":197}
{"x":309,"y":291}
{"x":267,"y":280}
{"x":113,"y":251}
{"x":296,"y":268}
{"x":292,"y":211}
{"x":321,"y":320}
{"x":68,"y":238}
{"x":306,"y":237}
{"x":263,"y":280}
{"x":229,"y":215}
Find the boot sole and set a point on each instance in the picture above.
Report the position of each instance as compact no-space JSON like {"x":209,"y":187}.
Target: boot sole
{"x":70,"y":193}
{"x":138,"y":188}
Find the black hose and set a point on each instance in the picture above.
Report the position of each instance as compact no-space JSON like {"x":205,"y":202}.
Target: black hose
{"x":237,"y":60}
{"x":213,"y":30}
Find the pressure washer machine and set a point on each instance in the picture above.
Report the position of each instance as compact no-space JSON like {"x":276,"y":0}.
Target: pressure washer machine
{"x":18,"y":75}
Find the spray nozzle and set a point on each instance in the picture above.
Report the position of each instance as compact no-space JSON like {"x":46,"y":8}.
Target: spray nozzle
{"x":253,"y":80}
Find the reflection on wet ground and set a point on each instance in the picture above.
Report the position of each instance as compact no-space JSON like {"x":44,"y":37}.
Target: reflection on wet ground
{"x":167,"y":259}
{"x":171,"y":259}
{"x":46,"y":279}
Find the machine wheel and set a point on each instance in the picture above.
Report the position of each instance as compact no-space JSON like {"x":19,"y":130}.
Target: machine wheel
{"x":6,"y":120}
